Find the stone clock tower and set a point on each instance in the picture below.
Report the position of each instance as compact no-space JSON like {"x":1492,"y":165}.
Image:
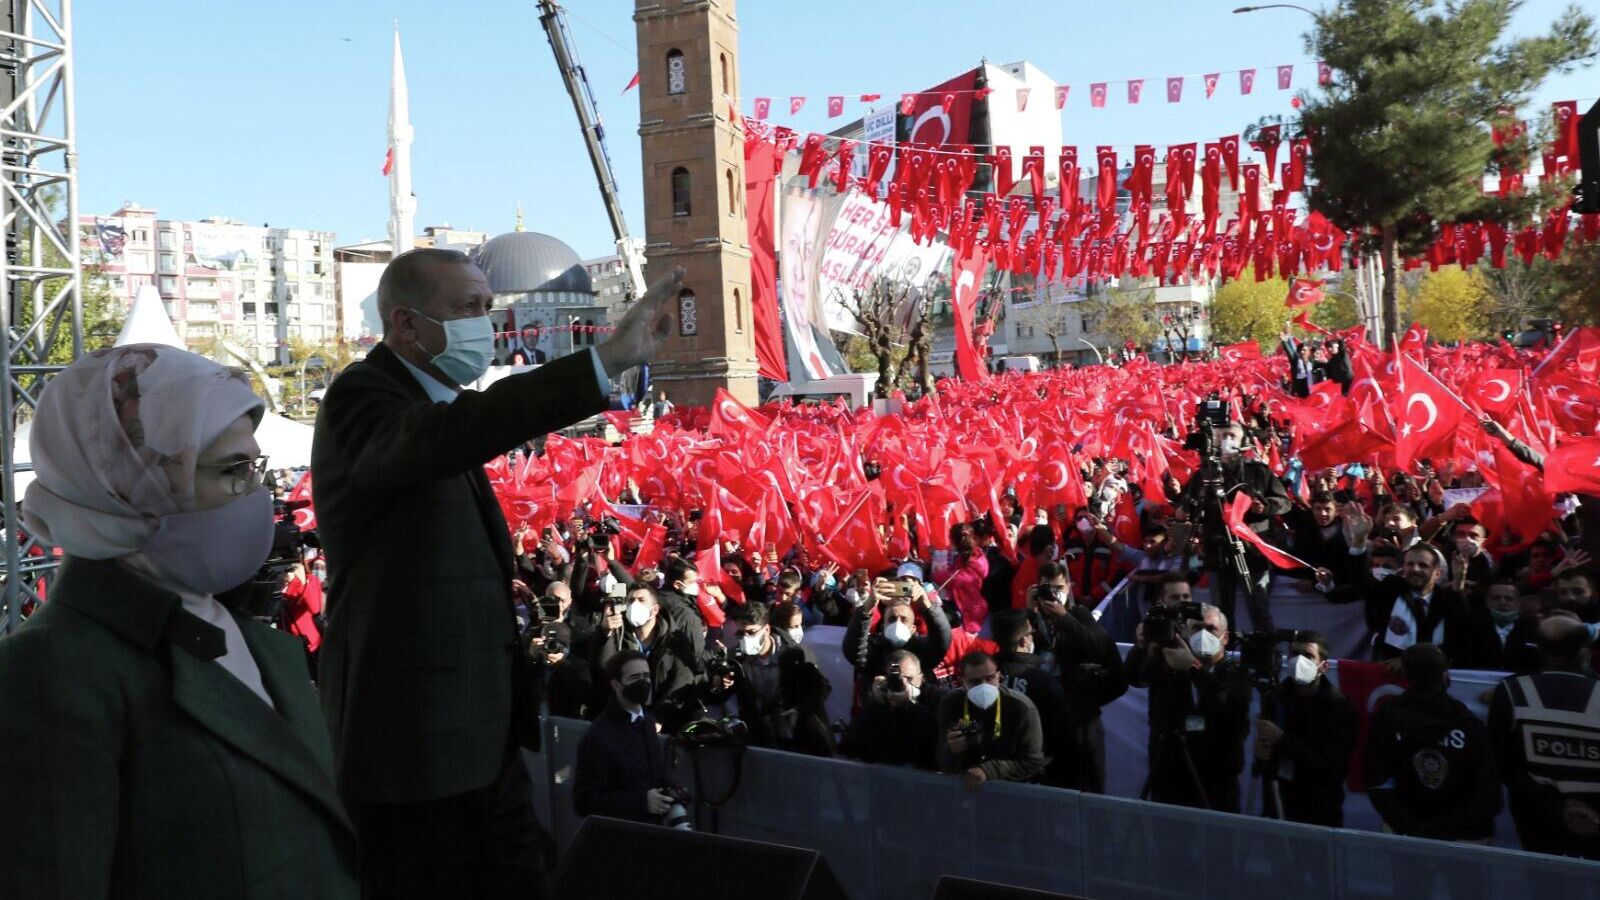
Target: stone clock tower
{"x":694,"y":194}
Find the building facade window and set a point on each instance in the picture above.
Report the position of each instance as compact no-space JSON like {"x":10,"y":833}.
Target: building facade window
{"x":677,"y":78}
{"x":738,"y":311}
{"x":680,"y":192}
{"x":733,"y":195}
{"x":727,"y":85}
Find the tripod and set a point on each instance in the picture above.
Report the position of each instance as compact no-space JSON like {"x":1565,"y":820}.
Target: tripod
{"x":1264,"y":772}
{"x":1163,"y":743}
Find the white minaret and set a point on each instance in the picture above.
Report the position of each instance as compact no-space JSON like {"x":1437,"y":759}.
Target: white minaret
{"x":402,"y":203}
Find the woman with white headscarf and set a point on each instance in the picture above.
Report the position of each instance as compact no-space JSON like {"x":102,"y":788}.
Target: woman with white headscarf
{"x":153,"y":743}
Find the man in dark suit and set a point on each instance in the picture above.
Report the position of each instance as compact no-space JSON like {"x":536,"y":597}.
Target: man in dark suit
{"x":526,"y":352}
{"x":621,"y":770}
{"x":1415,"y":607}
{"x":424,"y":684}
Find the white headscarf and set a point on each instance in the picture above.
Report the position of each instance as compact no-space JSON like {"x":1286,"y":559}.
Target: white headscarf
{"x":115,"y":440}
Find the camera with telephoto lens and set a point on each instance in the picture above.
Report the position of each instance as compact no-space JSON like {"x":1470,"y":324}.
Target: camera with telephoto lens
{"x":895,"y":683}
{"x":553,"y":644}
{"x":1161,"y":624}
{"x":1259,"y":655}
{"x":720,"y":664}
{"x":1211,"y":413}
{"x":970,"y":730}
{"x":677,"y":815}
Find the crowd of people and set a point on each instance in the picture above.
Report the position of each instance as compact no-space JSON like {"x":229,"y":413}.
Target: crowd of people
{"x":452,"y":569}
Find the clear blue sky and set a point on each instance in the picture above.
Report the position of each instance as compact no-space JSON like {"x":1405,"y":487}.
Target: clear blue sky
{"x":277,"y":113}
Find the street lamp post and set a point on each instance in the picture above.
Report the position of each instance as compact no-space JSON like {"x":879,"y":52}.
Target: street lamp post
{"x":1250,"y":9}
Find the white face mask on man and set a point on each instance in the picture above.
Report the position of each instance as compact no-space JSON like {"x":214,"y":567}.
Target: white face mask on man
{"x":983,"y":695}
{"x":897,"y":632}
{"x":639,"y":613}
{"x":1204,"y":644}
{"x":1306,"y":670}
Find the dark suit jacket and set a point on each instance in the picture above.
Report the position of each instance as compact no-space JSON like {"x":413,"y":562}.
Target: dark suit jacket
{"x":420,"y":648}
{"x":133,"y":765}
{"x":1462,"y":642}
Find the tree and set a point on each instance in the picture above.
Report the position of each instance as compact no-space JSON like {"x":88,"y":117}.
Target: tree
{"x":1051,"y":318}
{"x":1336,"y":311}
{"x":1125,"y":316}
{"x":1401,"y":137}
{"x":879,"y":313}
{"x":1575,"y":291}
{"x":1452,"y":303}
{"x":1249,"y":310}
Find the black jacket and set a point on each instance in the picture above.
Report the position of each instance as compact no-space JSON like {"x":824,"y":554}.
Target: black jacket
{"x":1539,"y":787}
{"x":1429,"y":768}
{"x":1081,"y":644}
{"x":423,"y":679}
{"x":1016,"y":753}
{"x":1518,"y":654}
{"x":899,"y":736}
{"x":997,"y":584}
{"x":675,"y":667}
{"x":1331,"y":553}
{"x":1462,"y":642}
{"x":1313,"y":756}
{"x":1253,"y":477}
{"x":618,"y":762}
{"x":1208,"y":712}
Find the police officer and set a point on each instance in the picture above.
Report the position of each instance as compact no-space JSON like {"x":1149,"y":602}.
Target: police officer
{"x":1546,"y":729}
{"x":1430,"y":771}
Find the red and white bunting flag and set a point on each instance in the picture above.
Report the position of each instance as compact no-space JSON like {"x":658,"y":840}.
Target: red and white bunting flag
{"x":948,"y":101}
{"x":1247,"y":80}
{"x":1324,"y":73}
{"x":908,"y":103}
{"x":1175,"y":89}
{"x":388,"y":162}
{"x":795,"y":103}
{"x":870,"y":98}
{"x":763,"y":106}
{"x":1061,"y":95}
{"x":1285,"y":77}
{"x":1211,"y":83}
{"x":835,"y":107}
{"x":1022,"y":99}
{"x":1135,"y":88}
{"x":632,"y":83}
{"x":1097,"y":95}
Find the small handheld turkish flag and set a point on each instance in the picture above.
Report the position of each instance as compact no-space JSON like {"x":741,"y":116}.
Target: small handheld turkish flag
{"x":795,"y":103}
{"x":1304,"y":292}
{"x":1247,"y":80}
{"x":1097,"y":95}
{"x":835,"y":107}
{"x":1175,"y":89}
{"x":1415,"y":339}
{"x":763,"y":106}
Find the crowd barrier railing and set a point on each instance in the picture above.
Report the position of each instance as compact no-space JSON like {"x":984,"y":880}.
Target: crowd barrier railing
{"x":888,"y":833}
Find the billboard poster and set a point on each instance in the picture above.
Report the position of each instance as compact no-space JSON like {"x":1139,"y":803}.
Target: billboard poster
{"x":859,"y":246}
{"x":230,"y":247}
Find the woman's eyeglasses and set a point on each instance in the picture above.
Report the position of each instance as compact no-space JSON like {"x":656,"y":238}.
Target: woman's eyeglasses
{"x":244,"y":476}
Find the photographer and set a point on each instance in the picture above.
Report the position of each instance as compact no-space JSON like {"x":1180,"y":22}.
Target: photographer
{"x":1235,"y":473}
{"x":898,"y":722}
{"x":621,"y":771}
{"x":758,"y":685}
{"x":868,"y":643}
{"x":595,"y":574}
{"x":1199,"y":707}
{"x":1085,"y":661}
{"x":987,"y":732}
{"x":1306,"y":748}
{"x":1032,"y":675}
{"x":639,"y":623}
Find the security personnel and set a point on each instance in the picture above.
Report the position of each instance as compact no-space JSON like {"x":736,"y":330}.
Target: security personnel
{"x":1430,"y":772}
{"x":1546,"y":730}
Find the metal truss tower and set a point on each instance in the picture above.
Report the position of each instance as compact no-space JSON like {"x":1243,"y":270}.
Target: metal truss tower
{"x":41,"y":315}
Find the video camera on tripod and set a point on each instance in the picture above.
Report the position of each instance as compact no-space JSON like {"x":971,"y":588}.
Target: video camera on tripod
{"x":1223,"y":549}
{"x":1162,"y":623}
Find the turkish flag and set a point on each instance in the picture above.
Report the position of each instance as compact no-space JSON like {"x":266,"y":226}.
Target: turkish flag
{"x":1285,"y":77}
{"x":854,"y":539}
{"x":908,"y":103}
{"x":1060,"y":482}
{"x":1240,"y":351}
{"x":967,"y":280}
{"x":1580,"y":348}
{"x":835,"y":107}
{"x":795,"y":103}
{"x":1175,"y":89}
{"x":1367,"y":686}
{"x":1523,"y":495}
{"x":1247,"y":80}
{"x":388,"y":162}
{"x":1574,"y":467}
{"x":651,"y":548}
{"x":1106,"y":184}
{"x":1427,"y":413}
{"x":1566,"y":118}
{"x":1495,"y":391}
{"x":1233,"y":517}
{"x":1135,"y":89}
{"x":1211,"y":83}
{"x":732,"y":419}
{"x":1097,"y":95}
{"x":1324,"y":73}
{"x":1415,"y":339}
{"x":1022,"y":99}
{"x":1061,"y":95}
{"x":1304,"y":292}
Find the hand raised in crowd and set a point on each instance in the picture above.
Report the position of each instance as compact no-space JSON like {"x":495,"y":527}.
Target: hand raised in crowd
{"x":1324,"y":578}
{"x":521,"y":591}
{"x":1575,"y":558}
{"x":644,"y":327}
{"x":1357,"y":524}
{"x":1436,"y":493}
{"x":1179,"y":658}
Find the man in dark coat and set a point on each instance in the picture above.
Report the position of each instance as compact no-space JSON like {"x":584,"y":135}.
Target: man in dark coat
{"x":645,"y":627}
{"x":424,"y":684}
{"x":1308,"y":740}
{"x":1414,"y":607}
{"x":621,"y":770}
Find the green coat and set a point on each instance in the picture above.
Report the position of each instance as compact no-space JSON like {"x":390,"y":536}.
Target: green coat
{"x":132,"y":765}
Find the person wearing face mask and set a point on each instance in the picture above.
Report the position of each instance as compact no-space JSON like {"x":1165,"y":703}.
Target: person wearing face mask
{"x":1308,"y":743}
{"x":898,"y":722}
{"x":642,"y":624}
{"x":596,"y":573}
{"x":761,"y":651}
{"x":1429,"y":767}
{"x":885,"y":622}
{"x":1077,"y":652}
{"x":689,"y":603}
{"x":621,"y":770}
{"x":1507,"y":631}
{"x":1416,"y":607}
{"x":987,"y":732}
{"x":153,"y":741}
{"x":1546,"y":729}
{"x":1469,"y":537}
{"x":1271,"y":500}
{"x":425,"y":687}
{"x":1199,"y":714}
{"x":787,"y":617}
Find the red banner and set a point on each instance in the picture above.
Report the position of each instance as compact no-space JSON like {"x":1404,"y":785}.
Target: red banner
{"x":941,"y":114}
{"x":761,"y":161}
{"x":966,"y":278}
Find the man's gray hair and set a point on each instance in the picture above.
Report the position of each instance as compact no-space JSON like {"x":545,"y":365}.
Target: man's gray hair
{"x":1222,"y":616}
{"x":407,"y":282}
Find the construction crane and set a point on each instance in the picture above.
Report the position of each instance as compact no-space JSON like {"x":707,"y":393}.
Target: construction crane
{"x":594,"y":137}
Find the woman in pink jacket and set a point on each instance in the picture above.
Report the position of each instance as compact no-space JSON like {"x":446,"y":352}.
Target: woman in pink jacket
{"x":962,"y":579}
